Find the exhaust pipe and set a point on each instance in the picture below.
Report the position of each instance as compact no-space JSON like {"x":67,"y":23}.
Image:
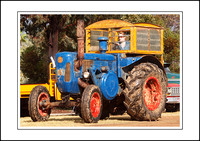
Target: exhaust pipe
{"x":80,"y":57}
{"x":80,"y":39}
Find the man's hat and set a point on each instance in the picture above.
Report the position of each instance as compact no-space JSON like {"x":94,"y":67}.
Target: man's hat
{"x":120,"y":35}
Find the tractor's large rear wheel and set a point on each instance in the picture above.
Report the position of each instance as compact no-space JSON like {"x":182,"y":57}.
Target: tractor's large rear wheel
{"x":91,"y":104}
{"x":37,"y":110}
{"x":145,"y":92}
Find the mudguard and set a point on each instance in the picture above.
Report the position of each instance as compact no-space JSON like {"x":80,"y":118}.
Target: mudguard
{"x":140,"y":59}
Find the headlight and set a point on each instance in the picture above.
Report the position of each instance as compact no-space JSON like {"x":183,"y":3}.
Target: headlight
{"x":86,"y":74}
{"x":169,"y":91}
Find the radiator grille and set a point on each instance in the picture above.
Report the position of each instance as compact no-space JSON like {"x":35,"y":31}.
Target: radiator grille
{"x":86,"y":64}
{"x":155,"y":42}
{"x":175,"y":91}
{"x":68,"y":72}
{"x":148,"y":39}
{"x":142,"y":39}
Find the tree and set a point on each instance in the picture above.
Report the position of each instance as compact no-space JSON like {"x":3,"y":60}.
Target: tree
{"x":33,"y":64}
{"x":172,"y":50}
{"x":34,"y":58}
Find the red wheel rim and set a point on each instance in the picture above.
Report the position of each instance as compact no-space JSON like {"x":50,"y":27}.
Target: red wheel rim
{"x":41,"y":98}
{"x":95,"y":104}
{"x":152,"y":93}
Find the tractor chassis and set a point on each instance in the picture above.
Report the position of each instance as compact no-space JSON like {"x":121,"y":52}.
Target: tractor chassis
{"x":64,"y":103}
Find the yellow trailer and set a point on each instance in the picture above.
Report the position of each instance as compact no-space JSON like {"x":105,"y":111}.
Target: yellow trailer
{"x":25,"y":89}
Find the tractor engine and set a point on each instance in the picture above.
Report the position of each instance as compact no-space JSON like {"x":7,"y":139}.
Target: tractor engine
{"x":98,"y":69}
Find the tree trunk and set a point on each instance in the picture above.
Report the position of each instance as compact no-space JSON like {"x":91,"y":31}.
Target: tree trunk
{"x":55,"y":42}
{"x":53,"y":38}
{"x":50,"y":45}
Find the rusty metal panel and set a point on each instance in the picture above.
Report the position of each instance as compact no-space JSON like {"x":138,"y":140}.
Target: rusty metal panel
{"x":86,"y":64}
{"x":80,"y":38}
{"x":68,"y":72}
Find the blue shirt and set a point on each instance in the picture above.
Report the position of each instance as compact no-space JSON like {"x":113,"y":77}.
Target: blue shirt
{"x":127,"y":46}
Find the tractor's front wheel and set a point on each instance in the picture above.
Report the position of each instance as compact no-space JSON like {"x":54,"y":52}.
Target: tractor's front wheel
{"x":145,"y":92}
{"x":91,"y":104}
{"x":37,"y":110}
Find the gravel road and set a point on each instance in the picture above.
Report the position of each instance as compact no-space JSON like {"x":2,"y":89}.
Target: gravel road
{"x":68,"y":119}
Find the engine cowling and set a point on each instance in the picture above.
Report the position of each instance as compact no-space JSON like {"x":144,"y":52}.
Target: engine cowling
{"x":109,"y":85}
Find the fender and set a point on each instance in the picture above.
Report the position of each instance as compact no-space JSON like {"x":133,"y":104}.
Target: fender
{"x":144,"y":59}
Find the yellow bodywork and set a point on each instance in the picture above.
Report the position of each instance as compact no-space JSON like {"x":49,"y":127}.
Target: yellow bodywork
{"x":109,"y":24}
{"x":111,"y":29}
{"x":25,"y":89}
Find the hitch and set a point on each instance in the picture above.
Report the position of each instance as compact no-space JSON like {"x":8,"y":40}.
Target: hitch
{"x":65,"y":102}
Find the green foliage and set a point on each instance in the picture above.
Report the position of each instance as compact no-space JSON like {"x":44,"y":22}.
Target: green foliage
{"x":172,"y":50}
{"x":34,"y":64}
{"x":34,"y":58}
{"x":24,"y":43}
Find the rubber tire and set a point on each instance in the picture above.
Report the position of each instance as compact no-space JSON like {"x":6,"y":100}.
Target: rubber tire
{"x":86,"y":101}
{"x":134,"y":101}
{"x":33,"y":104}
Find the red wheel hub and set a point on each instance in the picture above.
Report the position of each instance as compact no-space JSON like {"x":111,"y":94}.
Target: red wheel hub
{"x":42,"y":98}
{"x":95,"y":104}
{"x":152,"y":93}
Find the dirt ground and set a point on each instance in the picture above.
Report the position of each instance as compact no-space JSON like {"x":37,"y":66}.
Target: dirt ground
{"x":63,"y":118}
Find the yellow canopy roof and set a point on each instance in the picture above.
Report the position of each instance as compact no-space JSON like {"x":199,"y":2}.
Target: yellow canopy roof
{"x":114,"y":23}
{"x":109,"y":24}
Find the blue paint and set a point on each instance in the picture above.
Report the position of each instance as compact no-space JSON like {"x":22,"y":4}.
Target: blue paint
{"x":128,"y":61}
{"x":107,"y":80}
{"x":93,"y":71}
{"x":72,"y":85}
{"x":123,"y":62}
{"x":109,"y":85}
{"x":95,"y":56}
{"x":103,"y":44}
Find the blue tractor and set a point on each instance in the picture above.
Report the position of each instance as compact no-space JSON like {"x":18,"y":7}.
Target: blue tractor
{"x":109,"y":79}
